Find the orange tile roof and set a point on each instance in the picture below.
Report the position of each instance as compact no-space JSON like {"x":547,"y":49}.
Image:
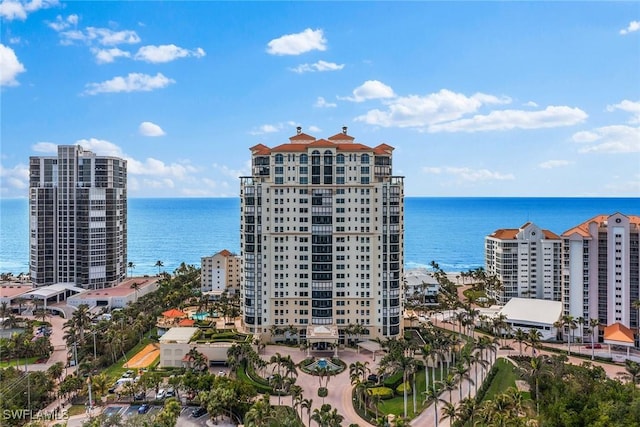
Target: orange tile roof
{"x":511,"y":233}
{"x":320,"y":143}
{"x":225,"y":253}
{"x":260,"y":149}
{"x":341,"y":137}
{"x":618,"y":332}
{"x":583,"y":229}
{"x":174,"y":312}
{"x":383,"y":149}
{"x":302,"y":137}
{"x":186,"y":322}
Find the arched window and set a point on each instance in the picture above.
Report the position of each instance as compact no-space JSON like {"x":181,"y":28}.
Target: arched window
{"x":304,"y":159}
{"x":328,"y":157}
{"x":364,"y":159}
{"x":279,"y":159}
{"x":315,"y":157}
{"x":340,"y":159}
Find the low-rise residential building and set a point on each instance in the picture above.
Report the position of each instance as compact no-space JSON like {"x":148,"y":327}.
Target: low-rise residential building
{"x":220,"y":272}
{"x":118,"y":296}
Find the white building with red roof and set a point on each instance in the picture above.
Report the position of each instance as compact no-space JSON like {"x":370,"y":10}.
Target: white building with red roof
{"x":601,"y":270}
{"x":220,"y":272}
{"x":527,"y":262}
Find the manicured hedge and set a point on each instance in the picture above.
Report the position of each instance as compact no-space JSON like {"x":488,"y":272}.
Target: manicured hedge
{"x":393,"y":381}
{"x":323,"y":392}
{"x":400,"y":388}
{"x":383,"y":392}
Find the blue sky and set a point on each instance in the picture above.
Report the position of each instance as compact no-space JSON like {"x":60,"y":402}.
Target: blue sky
{"x":479,"y":99}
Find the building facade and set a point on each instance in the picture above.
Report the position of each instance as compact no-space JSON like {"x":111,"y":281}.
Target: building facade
{"x":77,"y":219}
{"x":526,"y":261}
{"x":601,"y":274}
{"x":322,"y":237}
{"x":220,"y":272}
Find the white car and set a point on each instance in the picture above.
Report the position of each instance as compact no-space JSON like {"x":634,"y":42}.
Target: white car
{"x":161,"y":394}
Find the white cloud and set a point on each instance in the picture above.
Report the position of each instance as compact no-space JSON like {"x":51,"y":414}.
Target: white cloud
{"x":318,"y":66}
{"x":295,"y":44}
{"x":101,"y":147}
{"x":550,"y":117}
{"x":234,"y":173}
{"x":371,"y":89}
{"x":268,"y":128}
{"x":165,"y":53}
{"x":105,"y":56}
{"x":609,"y":139}
{"x":314,"y":129}
{"x":102,"y":36}
{"x":632,"y":27}
{"x":133,"y":82}
{"x":14,"y":40}
{"x":551,"y":164}
{"x":628,"y":106}
{"x":10,"y":66}
{"x":19,"y":9}
{"x":45,"y":147}
{"x":156,"y":167}
{"x":468,"y":174}
{"x":423,"y":111}
{"x":150,"y":129}
{"x":322,"y":103}
{"x":63,"y":23}
{"x":15,"y":178}
{"x":530,"y":104}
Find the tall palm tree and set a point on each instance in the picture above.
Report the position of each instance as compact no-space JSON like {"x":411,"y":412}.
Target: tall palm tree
{"x":520,"y":336}
{"x":636,"y":305}
{"x":433,"y":394}
{"x":461,"y":373}
{"x":593,"y":326}
{"x":306,"y":404}
{"x":131,"y":266}
{"x":450,"y":411}
{"x":159,"y":264}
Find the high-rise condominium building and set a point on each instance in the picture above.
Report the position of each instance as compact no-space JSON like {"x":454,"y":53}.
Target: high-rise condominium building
{"x":220,"y":272}
{"x":77,"y":219}
{"x":322,"y":237}
{"x":600,"y":275}
{"x":526,"y":261}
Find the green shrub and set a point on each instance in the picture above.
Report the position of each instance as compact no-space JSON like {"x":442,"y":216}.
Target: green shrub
{"x":383,"y":392}
{"x":323,"y":392}
{"x":400,"y":388}
{"x":393,"y":381}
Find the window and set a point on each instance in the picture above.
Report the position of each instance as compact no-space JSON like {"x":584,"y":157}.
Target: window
{"x":340,"y":159}
{"x":279,"y":159}
{"x":364,"y":159}
{"x":304,"y":159}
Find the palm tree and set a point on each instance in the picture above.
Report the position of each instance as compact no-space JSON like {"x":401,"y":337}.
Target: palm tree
{"x":136,"y":287}
{"x":306,"y":404}
{"x":534,"y":337}
{"x":632,"y":371}
{"x":636,"y":305}
{"x":433,"y":394}
{"x":449,"y":410}
{"x":159,"y":264}
{"x":131,"y":266}
{"x":461,"y":373}
{"x":520,"y":336}
{"x":593,"y":325}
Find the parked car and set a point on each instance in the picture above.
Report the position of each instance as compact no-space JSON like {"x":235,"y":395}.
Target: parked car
{"x":198,"y":412}
{"x":127,"y":374}
{"x":141,"y":395}
{"x":144,"y":408}
{"x":161,"y":394}
{"x":170,"y":392}
{"x":596,"y":345}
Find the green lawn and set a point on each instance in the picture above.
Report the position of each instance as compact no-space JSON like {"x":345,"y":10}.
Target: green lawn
{"x":20,"y":362}
{"x":505,"y":378}
{"x":396,"y":405}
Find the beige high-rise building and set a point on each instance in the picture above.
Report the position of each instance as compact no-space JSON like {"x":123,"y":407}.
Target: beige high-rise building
{"x":526,"y":261}
{"x":77,"y":219}
{"x":601,"y":272}
{"x":322,"y":237}
{"x":220,"y":272}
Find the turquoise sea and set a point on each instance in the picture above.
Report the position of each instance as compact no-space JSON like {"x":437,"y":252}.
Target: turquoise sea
{"x":449,"y":231}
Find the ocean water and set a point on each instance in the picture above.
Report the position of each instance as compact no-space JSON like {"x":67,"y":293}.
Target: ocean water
{"x":450,"y":231}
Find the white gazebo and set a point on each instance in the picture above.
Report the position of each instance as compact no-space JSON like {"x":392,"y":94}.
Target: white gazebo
{"x":321,"y":333}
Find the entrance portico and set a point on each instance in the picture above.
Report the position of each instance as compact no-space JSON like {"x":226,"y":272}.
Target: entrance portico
{"x":321,"y":333}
